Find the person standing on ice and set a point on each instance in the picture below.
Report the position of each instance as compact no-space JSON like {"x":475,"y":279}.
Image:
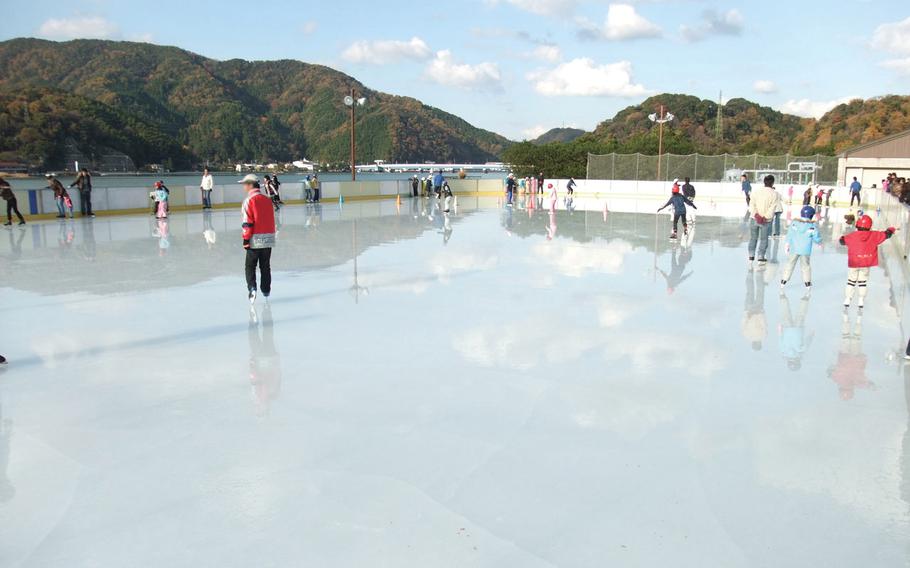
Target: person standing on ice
{"x":855,"y":188}
{"x":258,"y":236}
{"x":802,"y":234}
{"x":688,"y":191}
{"x":862,"y":254}
{"x":679,"y":203}
{"x":570,"y":187}
{"x":60,"y":195}
{"x":761,"y":210}
{"x":540,"y":180}
{"x":554,"y":196}
{"x":205,"y":187}
{"x":6,"y":193}
{"x":438,"y":180}
{"x":510,"y":189}
{"x":747,"y":188}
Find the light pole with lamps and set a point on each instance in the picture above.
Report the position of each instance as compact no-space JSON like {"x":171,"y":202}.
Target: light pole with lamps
{"x":661,"y":119}
{"x":352,"y":102}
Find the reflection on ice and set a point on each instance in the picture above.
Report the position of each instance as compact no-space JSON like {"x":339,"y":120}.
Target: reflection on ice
{"x":567,"y":387}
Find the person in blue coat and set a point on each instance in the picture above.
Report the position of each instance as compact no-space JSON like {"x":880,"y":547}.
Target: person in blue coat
{"x":801,"y":236}
{"x":679,"y":203}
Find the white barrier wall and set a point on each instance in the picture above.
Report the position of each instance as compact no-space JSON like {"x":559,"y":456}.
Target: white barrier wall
{"x":132,"y":198}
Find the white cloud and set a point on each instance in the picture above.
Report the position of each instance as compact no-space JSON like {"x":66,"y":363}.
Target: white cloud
{"x":548,"y":53}
{"x":623,"y":23}
{"x":535,"y":131}
{"x":445,"y":70}
{"x":583,"y":77}
{"x":712,"y":24}
{"x":382,"y":52}
{"x":812,"y":109}
{"x":78,"y":27}
{"x":892,"y":37}
{"x":545,"y":7}
{"x":309,"y":28}
{"x":901,"y":66}
{"x":765,"y":87}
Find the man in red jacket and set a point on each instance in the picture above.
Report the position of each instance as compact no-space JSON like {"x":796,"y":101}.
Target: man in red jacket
{"x":258,"y":236}
{"x":862,"y":254}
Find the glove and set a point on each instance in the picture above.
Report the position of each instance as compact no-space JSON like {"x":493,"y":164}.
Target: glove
{"x":246,"y":244}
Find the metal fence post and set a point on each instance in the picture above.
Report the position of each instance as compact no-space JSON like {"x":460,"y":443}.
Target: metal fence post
{"x":695,"y":173}
{"x":637,"y":155}
{"x":667,"y":174}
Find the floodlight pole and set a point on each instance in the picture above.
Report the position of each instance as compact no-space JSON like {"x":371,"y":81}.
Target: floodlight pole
{"x":353,"y":143}
{"x":660,"y":138}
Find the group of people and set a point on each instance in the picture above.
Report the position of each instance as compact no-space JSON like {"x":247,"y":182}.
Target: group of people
{"x":898,"y":186}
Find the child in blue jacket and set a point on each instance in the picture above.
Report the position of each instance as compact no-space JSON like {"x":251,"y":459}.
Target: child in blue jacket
{"x":679,"y":203}
{"x":801,"y":235}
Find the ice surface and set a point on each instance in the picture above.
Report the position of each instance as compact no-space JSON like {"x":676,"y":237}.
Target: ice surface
{"x":490,"y":388}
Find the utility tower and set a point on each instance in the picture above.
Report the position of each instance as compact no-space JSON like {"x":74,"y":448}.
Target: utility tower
{"x":719,"y":123}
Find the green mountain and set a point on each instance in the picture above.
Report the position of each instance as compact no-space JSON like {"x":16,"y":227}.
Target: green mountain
{"x":164,"y":104}
{"x":558,"y":135}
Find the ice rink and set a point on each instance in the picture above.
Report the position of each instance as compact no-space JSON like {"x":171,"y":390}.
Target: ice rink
{"x":495,"y":387}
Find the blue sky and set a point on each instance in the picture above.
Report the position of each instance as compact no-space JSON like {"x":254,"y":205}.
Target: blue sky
{"x":519,"y":67}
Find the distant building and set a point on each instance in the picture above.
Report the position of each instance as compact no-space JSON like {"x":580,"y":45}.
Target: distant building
{"x":304,"y":165}
{"x":870,"y":163}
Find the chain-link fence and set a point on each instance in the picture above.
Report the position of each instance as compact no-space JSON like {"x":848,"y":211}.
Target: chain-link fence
{"x":699,"y":167}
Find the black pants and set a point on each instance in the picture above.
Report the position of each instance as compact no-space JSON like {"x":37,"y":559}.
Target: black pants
{"x":263,"y":258}
{"x":10,"y":207}
{"x":676,"y":218}
{"x":85,"y":202}
{"x":855,"y":196}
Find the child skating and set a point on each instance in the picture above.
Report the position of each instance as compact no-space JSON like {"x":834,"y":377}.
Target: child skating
{"x":862,"y":254}
{"x":802,"y":234}
{"x":679,"y":203}
{"x":161,"y":197}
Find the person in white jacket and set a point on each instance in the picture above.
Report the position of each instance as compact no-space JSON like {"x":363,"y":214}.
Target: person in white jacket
{"x":762,"y":205}
{"x":206,"y":186}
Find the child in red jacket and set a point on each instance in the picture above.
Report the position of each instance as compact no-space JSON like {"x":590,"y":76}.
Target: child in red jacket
{"x":862,"y":254}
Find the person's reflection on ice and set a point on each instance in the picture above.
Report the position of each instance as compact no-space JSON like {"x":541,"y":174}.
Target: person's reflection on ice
{"x":265,"y":363}
{"x":849,"y":372}
{"x":678,"y":263}
{"x":754,"y":324}
{"x":208,"y":229}
{"x":551,"y":228}
{"x":794,"y":341}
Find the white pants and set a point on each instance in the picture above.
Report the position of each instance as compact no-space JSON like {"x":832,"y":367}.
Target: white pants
{"x":856,"y":278}
{"x":791,"y":265}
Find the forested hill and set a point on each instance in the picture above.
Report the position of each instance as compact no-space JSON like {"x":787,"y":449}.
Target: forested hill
{"x":164,"y":104}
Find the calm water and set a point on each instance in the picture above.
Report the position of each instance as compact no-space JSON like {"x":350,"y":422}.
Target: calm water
{"x":221,"y":178}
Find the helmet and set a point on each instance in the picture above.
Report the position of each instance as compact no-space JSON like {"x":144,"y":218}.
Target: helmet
{"x":864,"y":223}
{"x":549,"y":186}
{"x":158,"y":184}
{"x":807,"y":212}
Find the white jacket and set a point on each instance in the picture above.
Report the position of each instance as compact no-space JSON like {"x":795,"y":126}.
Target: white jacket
{"x":764,"y":201}
{"x":207,"y":182}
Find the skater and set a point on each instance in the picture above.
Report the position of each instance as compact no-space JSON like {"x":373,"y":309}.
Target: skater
{"x":540,"y":181}
{"x":793,"y":339}
{"x":802,"y":234}
{"x":790,"y":196}
{"x":819,"y":197}
{"x":828,"y":196}
{"x":2,"y":360}
{"x":855,"y":191}
{"x":554,"y":196}
{"x":447,"y":193}
{"x":862,"y":254}
{"x":276,"y":191}
{"x":159,"y":185}
{"x":161,"y":197}
{"x":438,"y":180}
{"x":807,"y":196}
{"x":258,"y":236}
{"x":778,"y":212}
{"x":415,"y":187}
{"x":688,"y":191}
{"x":316,"y":188}
{"x":570,"y":187}
{"x":84,"y":183}
{"x":6,"y":192}
{"x":61,"y":197}
{"x":510,"y":189}
{"x":205,"y":188}
{"x":762,"y":205}
{"x":679,"y":203}
{"x":747,"y":188}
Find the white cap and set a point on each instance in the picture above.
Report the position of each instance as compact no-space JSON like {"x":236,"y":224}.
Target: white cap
{"x":250,"y":178}
{"x":675,"y":181}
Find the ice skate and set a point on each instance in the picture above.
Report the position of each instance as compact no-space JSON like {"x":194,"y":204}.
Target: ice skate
{"x":252,"y":296}
{"x":673,"y":236}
